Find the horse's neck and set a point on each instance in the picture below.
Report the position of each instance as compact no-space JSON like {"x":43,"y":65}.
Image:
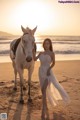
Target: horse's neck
{"x":19,"y":48}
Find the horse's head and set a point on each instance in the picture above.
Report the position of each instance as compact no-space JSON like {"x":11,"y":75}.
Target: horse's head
{"x":28,"y":42}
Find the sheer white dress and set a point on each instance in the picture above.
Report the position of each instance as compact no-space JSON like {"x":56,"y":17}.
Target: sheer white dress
{"x":55,"y":91}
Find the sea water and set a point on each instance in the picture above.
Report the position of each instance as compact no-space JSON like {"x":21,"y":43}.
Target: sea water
{"x":65,"y":47}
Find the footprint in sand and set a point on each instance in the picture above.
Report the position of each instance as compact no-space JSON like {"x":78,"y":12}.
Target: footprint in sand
{"x":63,"y":81}
{"x":2,"y":83}
{"x":78,"y":79}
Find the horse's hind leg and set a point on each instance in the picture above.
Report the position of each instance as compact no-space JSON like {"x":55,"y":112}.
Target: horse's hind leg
{"x":15,"y":72}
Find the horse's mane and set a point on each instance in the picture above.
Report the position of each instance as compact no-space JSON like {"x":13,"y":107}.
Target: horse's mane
{"x":14,"y":47}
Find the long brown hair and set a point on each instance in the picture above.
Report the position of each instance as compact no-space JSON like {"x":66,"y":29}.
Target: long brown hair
{"x":50,"y":42}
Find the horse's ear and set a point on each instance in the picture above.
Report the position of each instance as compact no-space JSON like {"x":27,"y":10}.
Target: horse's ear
{"x":23,"y":29}
{"x":34,"y":30}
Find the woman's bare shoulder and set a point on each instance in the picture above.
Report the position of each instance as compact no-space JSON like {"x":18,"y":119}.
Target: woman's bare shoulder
{"x":41,"y":53}
{"x":52,"y":53}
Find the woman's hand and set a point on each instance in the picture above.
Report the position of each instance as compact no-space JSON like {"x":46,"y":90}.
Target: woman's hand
{"x":40,"y":53}
{"x":48,"y":72}
{"x":36,"y":57}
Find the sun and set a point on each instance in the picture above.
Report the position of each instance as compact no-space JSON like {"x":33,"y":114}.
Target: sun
{"x":32,"y":14}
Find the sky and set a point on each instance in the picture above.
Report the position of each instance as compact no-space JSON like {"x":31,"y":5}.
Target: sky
{"x":50,"y":17}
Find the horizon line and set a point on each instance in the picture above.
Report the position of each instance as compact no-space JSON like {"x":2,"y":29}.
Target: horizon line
{"x":39,"y":34}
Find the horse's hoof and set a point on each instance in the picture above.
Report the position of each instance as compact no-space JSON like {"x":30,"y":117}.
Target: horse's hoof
{"x":15,"y":88}
{"x":21,"y":101}
{"x":24,"y":88}
{"x":29,"y":100}
{"x":42,"y":118}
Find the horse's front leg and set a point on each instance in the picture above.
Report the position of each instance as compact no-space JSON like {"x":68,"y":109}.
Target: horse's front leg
{"x":29,"y":85}
{"x":20,"y":71}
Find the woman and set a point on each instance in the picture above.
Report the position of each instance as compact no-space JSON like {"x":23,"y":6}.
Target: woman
{"x":49,"y":84}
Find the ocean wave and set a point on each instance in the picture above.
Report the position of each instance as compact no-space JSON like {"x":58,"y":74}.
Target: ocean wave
{"x":5,"y":42}
{"x":61,"y":42}
{"x":5,"y":52}
{"x":61,"y":45}
{"x":66,"y":42}
{"x":53,"y":41}
{"x":67,"y":52}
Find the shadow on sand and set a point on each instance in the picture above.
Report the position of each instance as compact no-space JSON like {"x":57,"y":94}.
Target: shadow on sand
{"x":19,"y":115}
{"x":58,"y":116}
{"x":11,"y":102}
{"x":18,"y":112}
{"x":29,"y":111}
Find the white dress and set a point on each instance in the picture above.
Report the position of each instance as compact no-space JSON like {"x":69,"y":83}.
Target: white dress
{"x":55,"y":91}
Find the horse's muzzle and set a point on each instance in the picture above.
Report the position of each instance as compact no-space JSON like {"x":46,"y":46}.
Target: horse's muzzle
{"x":29,"y":59}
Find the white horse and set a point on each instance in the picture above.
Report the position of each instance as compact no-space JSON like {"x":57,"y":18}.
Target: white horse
{"x":22,"y":58}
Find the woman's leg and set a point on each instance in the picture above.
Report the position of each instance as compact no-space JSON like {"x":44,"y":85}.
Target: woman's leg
{"x":44,"y":101}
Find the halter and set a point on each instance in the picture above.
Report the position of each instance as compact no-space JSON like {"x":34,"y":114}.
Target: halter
{"x":23,"y":47}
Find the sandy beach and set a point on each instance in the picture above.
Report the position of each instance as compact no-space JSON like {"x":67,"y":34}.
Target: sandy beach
{"x":67,"y":73}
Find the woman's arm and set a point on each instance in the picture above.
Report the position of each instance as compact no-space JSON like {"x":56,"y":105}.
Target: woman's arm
{"x":36,"y":57}
{"x":53,"y":60}
{"x":53,"y":63}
